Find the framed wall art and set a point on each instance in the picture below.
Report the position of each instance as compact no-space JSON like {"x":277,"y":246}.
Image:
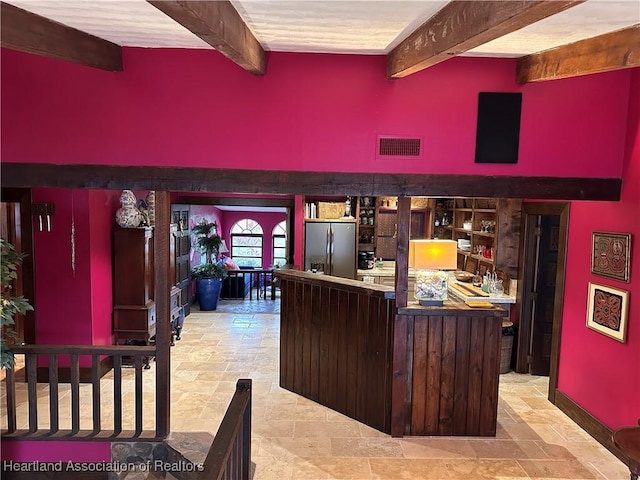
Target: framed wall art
{"x":611,"y":254}
{"x":607,"y":311}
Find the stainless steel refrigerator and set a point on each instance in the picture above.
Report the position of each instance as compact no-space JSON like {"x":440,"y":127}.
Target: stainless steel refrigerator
{"x":330,"y":247}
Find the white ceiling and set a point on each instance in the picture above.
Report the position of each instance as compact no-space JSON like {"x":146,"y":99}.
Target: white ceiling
{"x":338,"y":26}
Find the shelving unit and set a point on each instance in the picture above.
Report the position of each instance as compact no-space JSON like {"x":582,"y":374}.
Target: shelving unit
{"x":478,"y":220}
{"x":366,"y":217}
{"x":387,"y":224}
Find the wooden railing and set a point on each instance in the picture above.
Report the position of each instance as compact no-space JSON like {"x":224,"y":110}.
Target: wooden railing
{"x":127,"y":419}
{"x":229,"y":457}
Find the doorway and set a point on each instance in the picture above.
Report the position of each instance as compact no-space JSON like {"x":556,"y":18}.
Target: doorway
{"x":16,"y":228}
{"x":543,"y":247}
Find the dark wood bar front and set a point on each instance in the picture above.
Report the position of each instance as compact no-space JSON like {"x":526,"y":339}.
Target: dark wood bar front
{"x":335,"y":344}
{"x":446,"y":370}
{"x":414,"y":371}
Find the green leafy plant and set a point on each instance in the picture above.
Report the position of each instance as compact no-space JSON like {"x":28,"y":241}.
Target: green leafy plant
{"x":209,"y":270}
{"x":11,"y":305}
{"x":208,"y":242}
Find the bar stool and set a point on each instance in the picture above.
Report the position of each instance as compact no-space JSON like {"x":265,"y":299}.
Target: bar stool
{"x":627,"y":439}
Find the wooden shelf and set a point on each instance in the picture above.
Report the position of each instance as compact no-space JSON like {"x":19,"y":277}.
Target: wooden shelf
{"x":485,"y":210}
{"x":467,"y":253}
{"x":483,"y":234}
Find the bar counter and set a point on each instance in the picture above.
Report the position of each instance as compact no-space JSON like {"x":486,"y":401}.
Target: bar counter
{"x":409,"y":371}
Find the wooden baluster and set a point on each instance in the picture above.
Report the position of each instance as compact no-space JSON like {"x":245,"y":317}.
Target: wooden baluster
{"x":32,"y":385}
{"x":53,"y":393}
{"x":117,"y":394}
{"x":138,"y":390}
{"x":95,"y":382}
{"x":11,"y":400}
{"x":75,"y":393}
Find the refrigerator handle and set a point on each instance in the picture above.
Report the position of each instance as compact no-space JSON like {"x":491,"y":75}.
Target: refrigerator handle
{"x":328,"y":252}
{"x":332,"y":247}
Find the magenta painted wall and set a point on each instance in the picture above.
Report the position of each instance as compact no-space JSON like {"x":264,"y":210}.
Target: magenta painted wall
{"x":601,"y":374}
{"x":309,"y":112}
{"x":64,"y":296}
{"x":86,"y":451}
{"x":103,"y":205}
{"x":75,"y":306}
{"x":267,"y":221}
{"x":207,"y":213}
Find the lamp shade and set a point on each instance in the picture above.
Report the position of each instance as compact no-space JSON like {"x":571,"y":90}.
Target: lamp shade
{"x":433,"y":254}
{"x":223,"y":247}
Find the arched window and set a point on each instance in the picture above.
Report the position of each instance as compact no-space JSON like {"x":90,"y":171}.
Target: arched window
{"x":279,"y":237}
{"x":246,"y":243}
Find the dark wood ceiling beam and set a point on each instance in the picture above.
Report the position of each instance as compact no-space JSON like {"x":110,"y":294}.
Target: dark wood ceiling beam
{"x":305,"y":183}
{"x":462,"y":25}
{"x":219,"y":24}
{"x":27,"y":32}
{"x":611,"y":51}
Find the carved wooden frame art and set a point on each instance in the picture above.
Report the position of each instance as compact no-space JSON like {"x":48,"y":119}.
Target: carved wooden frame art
{"x":611,"y":255}
{"x":607,"y":311}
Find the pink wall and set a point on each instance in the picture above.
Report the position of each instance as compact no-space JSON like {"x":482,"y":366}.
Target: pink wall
{"x":103,"y":205}
{"x":309,"y":112}
{"x":601,"y":374}
{"x":267,"y":221}
{"x":63,"y":295}
{"x":75,"y":306}
{"x":208,"y":213}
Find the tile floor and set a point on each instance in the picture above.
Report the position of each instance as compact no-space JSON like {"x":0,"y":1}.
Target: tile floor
{"x":294,"y":438}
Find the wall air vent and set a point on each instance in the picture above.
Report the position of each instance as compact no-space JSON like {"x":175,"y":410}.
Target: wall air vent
{"x":399,"y":147}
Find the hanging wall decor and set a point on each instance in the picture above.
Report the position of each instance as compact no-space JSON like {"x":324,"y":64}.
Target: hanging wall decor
{"x":611,"y":254}
{"x":607,"y":311}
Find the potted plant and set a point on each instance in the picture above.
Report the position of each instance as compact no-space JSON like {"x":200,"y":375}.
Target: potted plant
{"x":208,"y":275}
{"x":11,"y":305}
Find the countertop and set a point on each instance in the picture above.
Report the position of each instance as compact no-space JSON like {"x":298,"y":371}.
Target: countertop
{"x":453,"y":291}
{"x":493,"y":298}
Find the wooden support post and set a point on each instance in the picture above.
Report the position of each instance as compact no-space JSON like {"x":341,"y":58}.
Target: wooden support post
{"x":402,"y":255}
{"x":162,"y":237}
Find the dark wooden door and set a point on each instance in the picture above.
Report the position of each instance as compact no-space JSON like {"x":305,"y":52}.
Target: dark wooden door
{"x":16,"y":228}
{"x":544,"y":293}
{"x":180,"y":217}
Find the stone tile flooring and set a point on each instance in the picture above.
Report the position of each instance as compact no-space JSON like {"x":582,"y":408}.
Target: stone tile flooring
{"x":295,"y":438}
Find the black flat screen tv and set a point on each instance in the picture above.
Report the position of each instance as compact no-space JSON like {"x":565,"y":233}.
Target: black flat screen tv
{"x":498,"y":130}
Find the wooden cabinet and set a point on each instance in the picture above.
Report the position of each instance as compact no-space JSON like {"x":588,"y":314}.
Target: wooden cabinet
{"x":182,"y":245}
{"x":134,"y":312}
{"x":366,"y":217}
{"x":386,"y":230}
{"x":177,"y":317}
{"x":486,"y":229}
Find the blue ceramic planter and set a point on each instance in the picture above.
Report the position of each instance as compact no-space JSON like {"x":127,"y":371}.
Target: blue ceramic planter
{"x":209,"y":293}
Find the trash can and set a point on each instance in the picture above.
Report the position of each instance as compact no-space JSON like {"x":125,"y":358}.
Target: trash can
{"x":507,"y":347}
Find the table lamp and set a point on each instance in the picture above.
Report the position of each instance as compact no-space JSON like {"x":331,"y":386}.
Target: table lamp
{"x":223,"y":247}
{"x":430,"y":259}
